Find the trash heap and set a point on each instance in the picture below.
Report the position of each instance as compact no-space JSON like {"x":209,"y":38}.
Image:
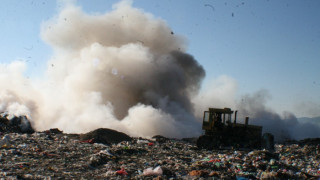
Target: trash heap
{"x":53,"y":154}
{"x":18,"y":124}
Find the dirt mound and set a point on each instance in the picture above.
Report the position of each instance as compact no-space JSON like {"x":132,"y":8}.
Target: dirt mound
{"x":105,"y":136}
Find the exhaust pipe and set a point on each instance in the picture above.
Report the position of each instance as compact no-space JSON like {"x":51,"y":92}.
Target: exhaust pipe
{"x":235,"y":117}
{"x":247,"y":121}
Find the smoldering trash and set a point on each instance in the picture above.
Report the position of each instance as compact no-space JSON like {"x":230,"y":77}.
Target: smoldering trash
{"x":113,"y":82}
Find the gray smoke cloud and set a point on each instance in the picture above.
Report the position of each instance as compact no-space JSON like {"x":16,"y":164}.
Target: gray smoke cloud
{"x":128,"y":71}
{"x":283,"y":127}
{"x":124,"y":69}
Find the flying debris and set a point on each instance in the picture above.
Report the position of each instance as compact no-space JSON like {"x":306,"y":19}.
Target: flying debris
{"x":210,"y":6}
{"x":140,"y":41}
{"x":28,"y":48}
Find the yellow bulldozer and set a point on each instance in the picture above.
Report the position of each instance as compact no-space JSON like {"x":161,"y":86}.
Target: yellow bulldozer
{"x":220,"y":132}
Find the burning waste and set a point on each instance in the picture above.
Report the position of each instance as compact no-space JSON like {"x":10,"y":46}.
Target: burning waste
{"x":120,"y":77}
{"x":124,"y":70}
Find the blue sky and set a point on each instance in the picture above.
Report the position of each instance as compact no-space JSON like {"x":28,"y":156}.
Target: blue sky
{"x":267,"y":44}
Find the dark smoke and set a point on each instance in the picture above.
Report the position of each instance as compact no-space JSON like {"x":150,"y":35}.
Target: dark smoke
{"x":283,"y":127}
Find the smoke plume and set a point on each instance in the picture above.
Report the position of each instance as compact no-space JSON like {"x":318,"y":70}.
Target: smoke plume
{"x":128,"y":71}
{"x":124,"y":69}
{"x":283,"y":127}
{"x":218,"y":93}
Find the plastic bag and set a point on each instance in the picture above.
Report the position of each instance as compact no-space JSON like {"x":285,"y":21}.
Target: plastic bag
{"x":5,"y":141}
{"x":139,"y":141}
{"x":121,"y":172}
{"x":153,"y":172}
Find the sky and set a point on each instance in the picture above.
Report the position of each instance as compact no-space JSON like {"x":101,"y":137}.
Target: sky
{"x":269,"y":44}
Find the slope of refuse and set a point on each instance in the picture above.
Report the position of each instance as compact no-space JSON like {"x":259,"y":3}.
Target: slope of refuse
{"x":53,"y":154}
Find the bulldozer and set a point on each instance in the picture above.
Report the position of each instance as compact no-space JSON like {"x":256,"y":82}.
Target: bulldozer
{"x":221,"y":133}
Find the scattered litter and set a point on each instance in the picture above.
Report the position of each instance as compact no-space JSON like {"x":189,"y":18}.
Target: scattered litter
{"x":52,"y":153}
{"x":153,"y":172}
{"x":5,"y":142}
{"x":121,"y":172}
{"x":139,"y":141}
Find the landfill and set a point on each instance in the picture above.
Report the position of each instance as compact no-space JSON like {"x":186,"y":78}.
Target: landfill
{"x":52,"y":154}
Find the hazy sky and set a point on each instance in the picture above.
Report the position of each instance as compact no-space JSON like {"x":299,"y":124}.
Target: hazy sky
{"x":267,"y":44}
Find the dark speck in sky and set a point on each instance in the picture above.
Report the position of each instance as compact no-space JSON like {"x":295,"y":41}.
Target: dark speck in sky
{"x":209,"y":5}
{"x":28,"y":48}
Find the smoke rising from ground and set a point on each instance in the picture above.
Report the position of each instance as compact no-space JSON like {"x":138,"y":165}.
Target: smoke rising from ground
{"x":128,"y":71}
{"x":124,"y":70}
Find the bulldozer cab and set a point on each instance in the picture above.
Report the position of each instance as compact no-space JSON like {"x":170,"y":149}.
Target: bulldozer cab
{"x":215,"y":118}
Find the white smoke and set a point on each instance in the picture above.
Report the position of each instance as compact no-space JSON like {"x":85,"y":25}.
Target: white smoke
{"x":217,"y":93}
{"x":15,"y":90}
{"x":124,"y":69}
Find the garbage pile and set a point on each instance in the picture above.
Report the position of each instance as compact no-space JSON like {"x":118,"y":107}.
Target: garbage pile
{"x":18,"y":124}
{"x":105,"y":136}
{"x":53,"y":154}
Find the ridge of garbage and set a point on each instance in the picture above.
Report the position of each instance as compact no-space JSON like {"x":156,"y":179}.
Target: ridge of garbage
{"x":52,"y":154}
